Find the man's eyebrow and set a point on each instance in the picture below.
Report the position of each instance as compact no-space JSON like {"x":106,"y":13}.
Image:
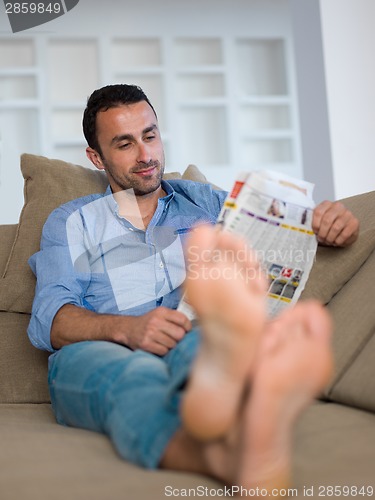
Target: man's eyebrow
{"x":123,"y":137}
{"x":130,"y":137}
{"x":151,"y":128}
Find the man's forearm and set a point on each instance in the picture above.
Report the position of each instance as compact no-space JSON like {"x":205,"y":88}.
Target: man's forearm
{"x":74,"y":324}
{"x":156,"y":331}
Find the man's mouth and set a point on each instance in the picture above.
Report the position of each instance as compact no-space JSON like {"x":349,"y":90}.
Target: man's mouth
{"x":147,"y":171}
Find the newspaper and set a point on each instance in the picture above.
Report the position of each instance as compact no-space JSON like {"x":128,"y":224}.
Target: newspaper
{"x":273,"y":212}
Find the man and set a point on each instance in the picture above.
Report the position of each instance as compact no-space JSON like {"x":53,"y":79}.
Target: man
{"x":109,"y":277}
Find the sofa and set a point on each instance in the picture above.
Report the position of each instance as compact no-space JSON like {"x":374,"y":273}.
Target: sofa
{"x":334,"y":441}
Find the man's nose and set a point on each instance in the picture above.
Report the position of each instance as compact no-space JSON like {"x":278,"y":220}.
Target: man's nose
{"x":144,"y":154}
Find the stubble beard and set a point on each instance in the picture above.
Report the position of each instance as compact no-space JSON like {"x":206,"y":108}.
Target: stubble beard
{"x":140,"y":185}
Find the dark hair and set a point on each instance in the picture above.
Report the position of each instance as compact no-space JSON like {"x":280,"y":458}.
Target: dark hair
{"x":105,"y":98}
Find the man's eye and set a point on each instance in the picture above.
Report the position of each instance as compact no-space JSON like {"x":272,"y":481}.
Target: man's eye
{"x":150,"y":137}
{"x":124,"y":146}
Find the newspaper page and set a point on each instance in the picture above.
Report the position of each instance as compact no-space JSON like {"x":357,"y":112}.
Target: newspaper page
{"x":273,"y":212}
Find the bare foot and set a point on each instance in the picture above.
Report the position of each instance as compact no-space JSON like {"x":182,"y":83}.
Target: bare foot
{"x":227,"y":290}
{"x":239,"y":410}
{"x":295,"y":363}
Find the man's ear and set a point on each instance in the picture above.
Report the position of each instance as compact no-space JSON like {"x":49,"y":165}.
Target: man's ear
{"x":95,"y":158}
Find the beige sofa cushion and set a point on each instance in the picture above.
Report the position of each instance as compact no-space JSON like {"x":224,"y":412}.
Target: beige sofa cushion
{"x":48,"y":184}
{"x":23,"y":369}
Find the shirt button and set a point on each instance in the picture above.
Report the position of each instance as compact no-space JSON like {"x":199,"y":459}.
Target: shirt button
{"x":161,"y":265}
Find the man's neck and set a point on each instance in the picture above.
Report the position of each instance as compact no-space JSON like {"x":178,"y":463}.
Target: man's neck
{"x":138,"y":210}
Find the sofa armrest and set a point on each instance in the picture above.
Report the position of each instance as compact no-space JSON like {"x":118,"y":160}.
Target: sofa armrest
{"x":7,"y":236}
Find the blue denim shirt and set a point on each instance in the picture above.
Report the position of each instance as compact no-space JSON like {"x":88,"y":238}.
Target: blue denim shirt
{"x":93,"y":258}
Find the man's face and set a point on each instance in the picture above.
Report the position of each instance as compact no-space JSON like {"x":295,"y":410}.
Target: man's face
{"x":132,"y":150}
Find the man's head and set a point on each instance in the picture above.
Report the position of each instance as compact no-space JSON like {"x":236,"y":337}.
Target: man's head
{"x":105,"y":98}
{"x":121,"y":129}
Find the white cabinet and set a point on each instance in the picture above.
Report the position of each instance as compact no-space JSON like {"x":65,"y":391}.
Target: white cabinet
{"x":226,"y":103}
{"x":264,"y":103}
{"x":20,"y":119}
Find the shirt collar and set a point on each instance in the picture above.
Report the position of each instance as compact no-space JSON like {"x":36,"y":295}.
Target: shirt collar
{"x":170,"y":192}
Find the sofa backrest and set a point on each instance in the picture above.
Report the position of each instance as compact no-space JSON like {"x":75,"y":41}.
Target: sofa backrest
{"x":343,"y":279}
{"x":22,"y":368}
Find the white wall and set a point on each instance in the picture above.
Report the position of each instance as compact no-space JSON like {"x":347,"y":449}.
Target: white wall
{"x":348,"y":34}
{"x":312,"y":97}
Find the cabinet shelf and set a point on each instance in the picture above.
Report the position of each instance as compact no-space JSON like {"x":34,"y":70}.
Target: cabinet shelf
{"x":274,"y":100}
{"x":68,"y":106}
{"x":266,"y":151}
{"x":135,"y":52}
{"x":201,"y":70}
{"x":201,"y":51}
{"x":268,"y":134}
{"x":136,"y":70}
{"x":17,"y":53}
{"x":213,"y":102}
{"x":71,"y":142}
{"x":25,"y":71}
{"x":19,"y":104}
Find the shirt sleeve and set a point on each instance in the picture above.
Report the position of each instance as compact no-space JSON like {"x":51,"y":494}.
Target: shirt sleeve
{"x":58,"y":280}
{"x":217,"y":198}
{"x":208,"y":198}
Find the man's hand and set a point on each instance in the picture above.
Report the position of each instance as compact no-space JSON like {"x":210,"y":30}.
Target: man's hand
{"x":334,"y":225}
{"x":157,"y":332}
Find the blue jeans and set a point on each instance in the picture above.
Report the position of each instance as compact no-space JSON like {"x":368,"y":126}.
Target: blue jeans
{"x":132,"y":396}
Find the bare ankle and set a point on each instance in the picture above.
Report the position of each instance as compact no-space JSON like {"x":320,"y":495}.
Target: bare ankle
{"x":185,"y":453}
